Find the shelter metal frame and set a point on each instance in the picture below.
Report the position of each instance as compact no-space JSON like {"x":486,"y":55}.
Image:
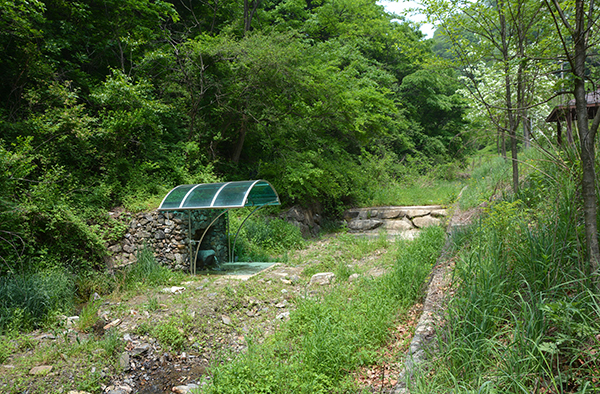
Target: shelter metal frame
{"x":225,"y":195}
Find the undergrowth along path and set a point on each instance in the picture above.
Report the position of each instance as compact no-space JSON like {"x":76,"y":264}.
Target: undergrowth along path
{"x":438,"y":291}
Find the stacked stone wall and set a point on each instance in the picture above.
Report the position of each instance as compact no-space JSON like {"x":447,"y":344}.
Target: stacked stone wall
{"x":167,"y":234}
{"x":394,"y":219}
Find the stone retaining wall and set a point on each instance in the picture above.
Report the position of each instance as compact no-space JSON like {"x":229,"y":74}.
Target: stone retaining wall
{"x":307,"y":219}
{"x":167,"y":235}
{"x":394,"y":219}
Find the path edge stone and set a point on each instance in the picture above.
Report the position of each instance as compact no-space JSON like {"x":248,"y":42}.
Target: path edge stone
{"x":432,"y":311}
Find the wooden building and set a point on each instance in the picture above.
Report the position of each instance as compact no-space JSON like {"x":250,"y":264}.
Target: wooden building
{"x":564,"y":114}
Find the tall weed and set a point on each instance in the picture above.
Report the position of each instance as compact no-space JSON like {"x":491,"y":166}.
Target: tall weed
{"x":147,"y":271}
{"x":523,"y":315}
{"x":27,"y":301}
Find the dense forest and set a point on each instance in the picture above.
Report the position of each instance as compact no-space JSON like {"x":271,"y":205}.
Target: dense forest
{"x":112,"y":103}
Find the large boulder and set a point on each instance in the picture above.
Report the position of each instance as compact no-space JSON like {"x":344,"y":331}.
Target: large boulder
{"x":426,"y":221}
{"x":364,"y":225}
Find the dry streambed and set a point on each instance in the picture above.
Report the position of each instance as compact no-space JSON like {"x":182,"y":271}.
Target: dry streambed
{"x":172,"y":335}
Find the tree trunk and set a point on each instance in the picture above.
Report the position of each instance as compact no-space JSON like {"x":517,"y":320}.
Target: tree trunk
{"x":250,"y":7}
{"x":526,"y":131}
{"x":586,"y":138}
{"x":502,"y":142}
{"x":240,"y":143}
{"x":512,"y":122}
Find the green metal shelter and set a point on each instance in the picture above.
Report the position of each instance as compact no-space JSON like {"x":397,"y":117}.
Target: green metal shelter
{"x":221,"y":196}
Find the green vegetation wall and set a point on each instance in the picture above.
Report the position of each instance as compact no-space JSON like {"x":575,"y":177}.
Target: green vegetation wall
{"x":111,"y":103}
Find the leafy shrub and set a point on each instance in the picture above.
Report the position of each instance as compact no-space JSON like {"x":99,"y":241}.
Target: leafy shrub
{"x":263,"y":237}
{"x":275,"y":235}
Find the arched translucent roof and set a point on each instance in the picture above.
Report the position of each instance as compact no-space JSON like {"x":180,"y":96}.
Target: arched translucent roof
{"x":220,"y":195}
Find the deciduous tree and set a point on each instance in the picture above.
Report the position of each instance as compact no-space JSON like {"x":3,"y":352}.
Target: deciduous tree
{"x":576,"y":24}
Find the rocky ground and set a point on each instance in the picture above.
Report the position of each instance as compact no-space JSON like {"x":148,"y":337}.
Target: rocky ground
{"x":172,"y":335}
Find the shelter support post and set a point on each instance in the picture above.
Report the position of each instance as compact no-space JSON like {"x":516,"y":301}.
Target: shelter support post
{"x":202,"y":238}
{"x":190,"y":246}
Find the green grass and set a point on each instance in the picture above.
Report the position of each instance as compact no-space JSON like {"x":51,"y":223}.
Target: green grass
{"x":112,"y":344}
{"x":524,"y":316}
{"x":330,"y":335}
{"x":491,"y":176}
{"x":423,"y":191}
{"x":29,"y":300}
{"x":346,"y":250}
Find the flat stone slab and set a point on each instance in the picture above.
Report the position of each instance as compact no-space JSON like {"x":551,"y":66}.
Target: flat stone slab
{"x":364,"y":224}
{"x":398,"y":225}
{"x":426,"y":221}
{"x":322,"y":278}
{"x":392,"y":213}
{"x":40,"y":370}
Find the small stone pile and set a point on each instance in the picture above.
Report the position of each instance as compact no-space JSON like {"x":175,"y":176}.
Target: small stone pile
{"x":167,"y":234}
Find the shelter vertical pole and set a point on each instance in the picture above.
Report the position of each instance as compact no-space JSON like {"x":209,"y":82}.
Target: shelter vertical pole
{"x":227,"y":227}
{"x":190,"y":247}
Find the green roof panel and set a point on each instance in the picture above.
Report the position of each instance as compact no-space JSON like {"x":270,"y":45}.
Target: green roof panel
{"x":220,"y":195}
{"x":201,"y":195}
{"x":173,"y":199}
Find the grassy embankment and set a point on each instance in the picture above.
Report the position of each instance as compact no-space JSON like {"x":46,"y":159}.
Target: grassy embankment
{"x":525,"y":315}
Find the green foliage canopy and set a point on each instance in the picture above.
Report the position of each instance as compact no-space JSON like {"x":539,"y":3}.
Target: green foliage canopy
{"x":112,"y":103}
